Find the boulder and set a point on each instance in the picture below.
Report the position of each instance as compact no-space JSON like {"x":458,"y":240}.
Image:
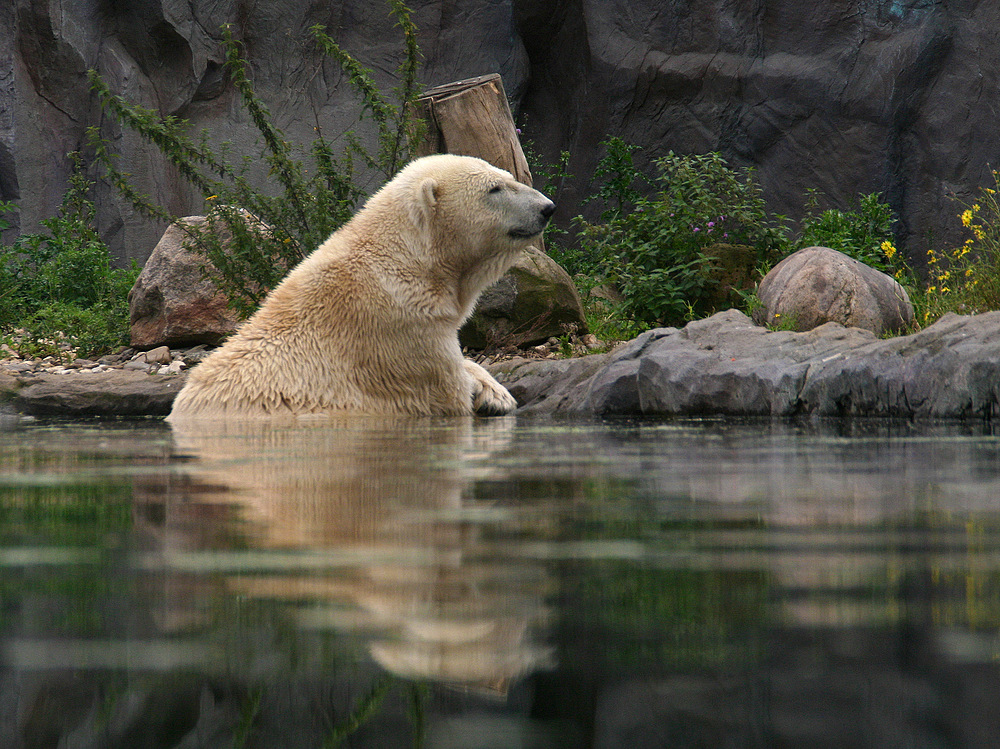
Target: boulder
{"x":171,"y":303}
{"x":817,"y":285}
{"x":534,"y":301}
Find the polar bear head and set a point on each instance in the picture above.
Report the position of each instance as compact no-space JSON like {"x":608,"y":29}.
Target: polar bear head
{"x":456,"y":193}
{"x":468,"y":210}
{"x":456,"y":221}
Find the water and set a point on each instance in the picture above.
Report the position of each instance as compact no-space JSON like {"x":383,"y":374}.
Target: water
{"x":504,"y":583}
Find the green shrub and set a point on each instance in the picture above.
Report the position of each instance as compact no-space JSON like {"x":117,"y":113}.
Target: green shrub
{"x":61,"y":282}
{"x":314,"y":191}
{"x":660,"y":254}
{"x":864,"y":233}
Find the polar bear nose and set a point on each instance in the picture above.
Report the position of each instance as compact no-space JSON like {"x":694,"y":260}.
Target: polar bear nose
{"x":548,"y":210}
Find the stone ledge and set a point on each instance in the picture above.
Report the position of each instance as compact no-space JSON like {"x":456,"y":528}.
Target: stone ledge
{"x":725,"y":365}
{"x":117,"y":392}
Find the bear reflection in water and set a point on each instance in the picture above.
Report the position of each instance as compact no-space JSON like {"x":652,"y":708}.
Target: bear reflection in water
{"x":386,"y":499}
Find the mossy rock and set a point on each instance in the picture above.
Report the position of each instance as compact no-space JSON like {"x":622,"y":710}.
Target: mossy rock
{"x":534,"y":301}
{"x":735,"y":270}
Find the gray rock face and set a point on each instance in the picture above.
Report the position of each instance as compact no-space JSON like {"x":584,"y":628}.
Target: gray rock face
{"x":166,"y":55}
{"x":171,"y":303}
{"x":818,"y":285}
{"x":726,"y":365}
{"x":846,"y":96}
{"x":535,"y":300}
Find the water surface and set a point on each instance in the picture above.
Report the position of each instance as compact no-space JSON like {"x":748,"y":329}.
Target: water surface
{"x":499,"y":583}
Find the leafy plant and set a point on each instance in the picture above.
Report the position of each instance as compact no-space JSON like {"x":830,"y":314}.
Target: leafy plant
{"x":619,"y":178}
{"x":548,"y":178}
{"x":864,"y":233}
{"x":661,"y":254}
{"x":257,"y":234}
{"x":965,"y":279}
{"x":61,"y":281}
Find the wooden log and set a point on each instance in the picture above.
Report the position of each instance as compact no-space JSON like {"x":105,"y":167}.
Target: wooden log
{"x":472,"y":118}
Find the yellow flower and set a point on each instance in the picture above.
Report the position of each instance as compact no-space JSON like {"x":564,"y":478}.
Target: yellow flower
{"x":888,"y":249}
{"x":931,"y":289}
{"x":967,"y":217}
{"x":945,"y":289}
{"x":211,"y":197}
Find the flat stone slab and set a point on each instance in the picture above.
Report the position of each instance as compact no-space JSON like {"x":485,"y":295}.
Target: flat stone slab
{"x":727,"y":365}
{"x":117,"y":392}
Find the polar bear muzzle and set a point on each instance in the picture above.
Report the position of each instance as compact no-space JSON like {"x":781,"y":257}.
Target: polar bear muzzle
{"x":528,"y":210}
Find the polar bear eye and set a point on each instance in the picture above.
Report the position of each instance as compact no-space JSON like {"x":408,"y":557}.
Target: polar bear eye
{"x":495,"y":189}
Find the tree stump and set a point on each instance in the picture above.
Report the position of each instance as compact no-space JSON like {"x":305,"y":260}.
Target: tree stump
{"x":531,"y":303}
{"x":472,"y":118}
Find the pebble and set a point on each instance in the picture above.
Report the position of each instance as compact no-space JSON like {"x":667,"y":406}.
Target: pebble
{"x":159,"y":355}
{"x":160,"y":360}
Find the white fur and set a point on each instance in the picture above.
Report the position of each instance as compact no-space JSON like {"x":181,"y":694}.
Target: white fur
{"x":368,"y":322}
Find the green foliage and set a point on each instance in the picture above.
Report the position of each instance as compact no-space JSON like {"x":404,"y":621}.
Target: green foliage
{"x":659,"y":255}
{"x":258,"y":233}
{"x":397,"y":135}
{"x":61,"y":281}
{"x":966,"y":279}
{"x":618,"y":177}
{"x":864,"y":233}
{"x":548,"y":178}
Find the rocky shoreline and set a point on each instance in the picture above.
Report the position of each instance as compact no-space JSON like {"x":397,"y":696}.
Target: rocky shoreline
{"x":723,"y":365}
{"x":726,"y":365}
{"x":129,"y":383}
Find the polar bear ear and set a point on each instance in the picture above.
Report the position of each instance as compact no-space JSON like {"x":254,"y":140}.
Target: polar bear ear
{"x":424,"y":202}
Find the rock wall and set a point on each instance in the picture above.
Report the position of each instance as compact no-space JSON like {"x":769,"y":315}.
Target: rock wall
{"x":166,"y":55}
{"x":846,"y":96}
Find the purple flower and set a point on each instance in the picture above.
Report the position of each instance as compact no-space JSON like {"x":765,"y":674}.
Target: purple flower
{"x":697,"y":229}
{"x":518,"y":130}
{"x":711,"y":224}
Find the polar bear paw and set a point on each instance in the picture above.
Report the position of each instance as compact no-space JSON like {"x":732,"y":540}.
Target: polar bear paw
{"x":489,"y":397}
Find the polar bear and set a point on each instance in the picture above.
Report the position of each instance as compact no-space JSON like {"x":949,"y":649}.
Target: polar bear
{"x":369,"y":321}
